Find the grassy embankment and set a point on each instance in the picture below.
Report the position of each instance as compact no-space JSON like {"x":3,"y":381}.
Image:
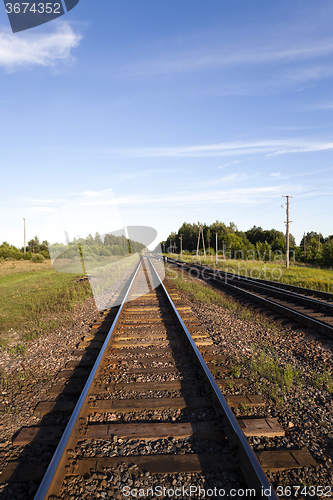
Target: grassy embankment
{"x":303,"y":275}
{"x":35,"y":299}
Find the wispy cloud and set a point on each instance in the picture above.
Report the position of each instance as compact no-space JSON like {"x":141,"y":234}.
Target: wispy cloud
{"x":266,"y":147}
{"x":194,"y":196}
{"x":308,"y":73}
{"x":278,"y":175}
{"x":44,"y":201}
{"x":228,"y":164}
{"x":226,"y":55}
{"x":30,"y":49}
{"x":318,"y":106}
{"x":239,"y":195}
{"x":252,"y":47}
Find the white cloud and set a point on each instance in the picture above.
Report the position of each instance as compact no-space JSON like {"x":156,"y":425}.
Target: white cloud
{"x":44,"y":201}
{"x":268,"y":147}
{"x":30,"y":49}
{"x":250,"y":47}
{"x":196,"y":60}
{"x":275,"y":174}
{"x":239,"y":195}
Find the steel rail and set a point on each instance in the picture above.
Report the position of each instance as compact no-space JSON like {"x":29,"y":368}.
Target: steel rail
{"x":51,"y":471}
{"x":305,"y":319}
{"x":273,"y":290}
{"x":326,"y":296}
{"x":284,"y":286}
{"x":257,"y":475}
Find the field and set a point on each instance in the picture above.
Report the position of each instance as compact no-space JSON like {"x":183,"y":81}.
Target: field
{"x":36,"y":299}
{"x":298,"y":274}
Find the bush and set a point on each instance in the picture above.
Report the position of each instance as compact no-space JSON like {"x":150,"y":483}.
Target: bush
{"x":37,"y":257}
{"x":45,"y":254}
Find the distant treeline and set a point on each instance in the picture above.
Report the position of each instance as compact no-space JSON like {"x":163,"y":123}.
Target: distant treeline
{"x":34,"y":251}
{"x":95,"y":248}
{"x":92,"y":248}
{"x":254,"y":244}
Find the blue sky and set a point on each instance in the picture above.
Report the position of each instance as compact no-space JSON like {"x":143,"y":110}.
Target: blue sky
{"x":187,"y":110}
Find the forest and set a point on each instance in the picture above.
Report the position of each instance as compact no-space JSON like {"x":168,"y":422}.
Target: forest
{"x":93,"y":248}
{"x":253,"y":244}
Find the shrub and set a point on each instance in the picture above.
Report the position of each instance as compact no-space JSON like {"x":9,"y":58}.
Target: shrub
{"x":37,"y":257}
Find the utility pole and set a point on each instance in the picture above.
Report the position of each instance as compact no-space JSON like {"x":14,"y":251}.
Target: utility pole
{"x":304,"y":239}
{"x":318,"y":242}
{"x":25,"y":250}
{"x":223,"y":248}
{"x":198,"y":241}
{"x":216,"y":249}
{"x":181,"y":245}
{"x":203,"y":241}
{"x":287,"y":222}
{"x":163,"y":247}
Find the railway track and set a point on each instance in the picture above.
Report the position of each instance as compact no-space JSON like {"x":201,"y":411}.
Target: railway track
{"x":312,"y":308}
{"x":146,"y":412}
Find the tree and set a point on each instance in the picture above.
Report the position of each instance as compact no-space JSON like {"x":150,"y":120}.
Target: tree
{"x":313,"y":253}
{"x":34,"y":245}
{"x":327,"y":252}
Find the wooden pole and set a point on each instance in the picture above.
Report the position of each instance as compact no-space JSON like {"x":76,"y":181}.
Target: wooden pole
{"x":203,"y":241}
{"x":25,"y":246}
{"x":216,"y":249}
{"x":198,"y":241}
{"x":287,"y":231}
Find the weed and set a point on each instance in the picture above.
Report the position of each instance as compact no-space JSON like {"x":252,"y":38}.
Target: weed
{"x":288,"y":376}
{"x":323,"y":380}
{"x":244,"y":407}
{"x":236,"y":371}
{"x":268,"y":367}
{"x":20,"y":349}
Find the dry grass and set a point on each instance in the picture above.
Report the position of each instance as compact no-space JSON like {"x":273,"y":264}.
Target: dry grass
{"x":36,"y":299}
{"x":10,"y":268}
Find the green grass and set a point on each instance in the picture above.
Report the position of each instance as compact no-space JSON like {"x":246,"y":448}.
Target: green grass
{"x":303,"y":275}
{"x":270,"y":368}
{"x":36,"y":299}
{"x":323,"y":379}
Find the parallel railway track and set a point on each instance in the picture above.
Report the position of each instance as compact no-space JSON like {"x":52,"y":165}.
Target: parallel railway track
{"x":150,"y":384}
{"x":311,"y":308}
